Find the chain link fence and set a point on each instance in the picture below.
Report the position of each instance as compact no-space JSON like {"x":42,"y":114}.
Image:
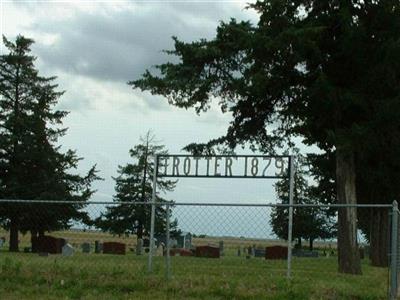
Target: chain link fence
{"x":196,"y":243}
{"x":394,"y":256}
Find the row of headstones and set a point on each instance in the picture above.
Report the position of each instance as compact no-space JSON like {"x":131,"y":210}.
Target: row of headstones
{"x":48,"y":244}
{"x":110,"y":248}
{"x":253,"y":251}
{"x":273,"y":252}
{"x":57,"y":245}
{"x":106,"y":248}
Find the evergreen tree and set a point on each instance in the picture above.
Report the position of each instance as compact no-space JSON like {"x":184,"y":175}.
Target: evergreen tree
{"x":134,"y":183}
{"x":308,"y":223}
{"x":31,"y":163}
{"x":322,"y":70}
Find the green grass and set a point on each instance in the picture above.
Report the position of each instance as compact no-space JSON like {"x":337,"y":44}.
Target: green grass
{"x":99,"y":276}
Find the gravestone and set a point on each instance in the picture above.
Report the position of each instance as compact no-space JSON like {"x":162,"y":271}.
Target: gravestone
{"x":159,"y":250}
{"x":146,"y":242}
{"x":98,"y":247}
{"x":67,"y":250}
{"x":259,"y":253}
{"x":85,"y":247}
{"x":238,"y":251}
{"x":276,"y":252}
{"x":180,"y":252}
{"x":114,"y":248}
{"x":207,"y":251}
{"x":253,"y":250}
{"x":305,"y":253}
{"x":221,"y":248}
{"x":139,"y":247}
{"x":49,"y":244}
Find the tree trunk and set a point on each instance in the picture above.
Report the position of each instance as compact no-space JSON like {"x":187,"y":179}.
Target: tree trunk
{"x":298,"y":244}
{"x":379,"y":237}
{"x":139,"y":232}
{"x":311,"y":244}
{"x":348,"y":252}
{"x":14,"y":236}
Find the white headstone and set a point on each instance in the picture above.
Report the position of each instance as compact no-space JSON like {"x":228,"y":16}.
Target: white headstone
{"x":221,"y":247}
{"x":67,"y":250}
{"x":139,"y":247}
{"x":159,"y":251}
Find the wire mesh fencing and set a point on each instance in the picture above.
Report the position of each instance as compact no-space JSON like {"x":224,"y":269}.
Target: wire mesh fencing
{"x":394,"y":256}
{"x":196,"y":242}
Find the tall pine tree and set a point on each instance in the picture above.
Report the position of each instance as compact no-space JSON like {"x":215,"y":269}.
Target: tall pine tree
{"x":134,"y":183}
{"x":31,"y":163}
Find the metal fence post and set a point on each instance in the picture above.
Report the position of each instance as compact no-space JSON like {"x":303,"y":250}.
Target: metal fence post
{"x":153,"y":215}
{"x":167,"y":254}
{"x":393,"y":252}
{"x":290,"y":221}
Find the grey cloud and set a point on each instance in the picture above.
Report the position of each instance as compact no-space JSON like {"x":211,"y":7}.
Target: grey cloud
{"x":120,"y":45}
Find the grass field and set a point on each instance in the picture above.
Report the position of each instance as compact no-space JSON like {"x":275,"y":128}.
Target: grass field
{"x":101,"y":276}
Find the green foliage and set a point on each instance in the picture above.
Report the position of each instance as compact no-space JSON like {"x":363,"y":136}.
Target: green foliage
{"x":31,"y":163}
{"x":320,"y":70}
{"x":88,"y":277}
{"x":135,"y":184}
{"x":325,"y":71}
{"x":308,"y":223}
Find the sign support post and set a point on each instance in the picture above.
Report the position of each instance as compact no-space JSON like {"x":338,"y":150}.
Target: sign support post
{"x":153,"y":215}
{"x":290,"y":224}
{"x":223,"y":166}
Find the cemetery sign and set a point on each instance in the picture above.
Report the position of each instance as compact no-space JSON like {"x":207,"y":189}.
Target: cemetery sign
{"x":223,"y":166}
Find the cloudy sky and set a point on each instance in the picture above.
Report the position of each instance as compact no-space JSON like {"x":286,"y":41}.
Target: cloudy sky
{"x":95,"y":48}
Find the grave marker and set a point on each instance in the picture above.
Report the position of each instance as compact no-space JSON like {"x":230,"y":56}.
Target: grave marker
{"x":180,"y":252}
{"x":139,"y":247}
{"x":159,"y":250}
{"x":221,"y":248}
{"x":85,"y":247}
{"x":98,"y":247}
{"x":276,"y":252}
{"x":67,"y":250}
{"x":49,"y":244}
{"x":114,"y":248}
{"x":259,"y":253}
{"x":207,"y":251}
